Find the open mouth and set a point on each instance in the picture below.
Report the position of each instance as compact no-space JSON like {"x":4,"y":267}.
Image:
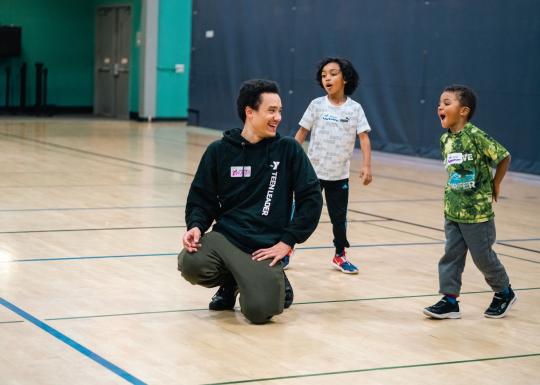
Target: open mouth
{"x":442,"y":116}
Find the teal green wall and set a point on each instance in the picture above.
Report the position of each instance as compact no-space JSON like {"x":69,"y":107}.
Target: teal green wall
{"x":58,"y":33}
{"x":174,"y":46}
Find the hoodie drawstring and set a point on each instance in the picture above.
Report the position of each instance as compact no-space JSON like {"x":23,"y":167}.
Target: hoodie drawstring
{"x":243,"y":159}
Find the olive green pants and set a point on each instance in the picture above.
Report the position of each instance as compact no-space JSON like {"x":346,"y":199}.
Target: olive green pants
{"x":261,"y":287}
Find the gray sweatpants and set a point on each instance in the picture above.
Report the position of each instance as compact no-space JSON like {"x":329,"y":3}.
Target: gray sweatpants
{"x":478,"y":239}
{"x":261,"y":287}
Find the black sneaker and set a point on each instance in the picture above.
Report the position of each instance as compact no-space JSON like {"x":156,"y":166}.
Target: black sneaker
{"x":225,"y":298}
{"x":500,"y":304}
{"x":443,"y":309}
{"x":289,"y":295}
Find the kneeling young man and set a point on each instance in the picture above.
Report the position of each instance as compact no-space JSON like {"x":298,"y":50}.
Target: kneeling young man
{"x":245,"y":183}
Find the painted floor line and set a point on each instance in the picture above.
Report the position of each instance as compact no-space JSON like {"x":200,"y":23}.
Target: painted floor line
{"x":321,"y":247}
{"x":75,"y":345}
{"x":142,"y":227}
{"x":294,"y":304}
{"x":93,"y":208}
{"x":520,"y":258}
{"x":105,"y":156}
{"x":95,"y":257}
{"x":91,"y":229}
{"x":381,"y":368}
{"x":518,"y":247}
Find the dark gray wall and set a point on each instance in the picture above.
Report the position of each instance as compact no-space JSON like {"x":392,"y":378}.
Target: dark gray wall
{"x":405,"y":51}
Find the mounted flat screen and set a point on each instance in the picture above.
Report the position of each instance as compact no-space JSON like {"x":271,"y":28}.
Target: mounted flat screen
{"x":10,"y":41}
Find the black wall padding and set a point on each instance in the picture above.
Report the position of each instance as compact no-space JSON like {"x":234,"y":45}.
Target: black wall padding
{"x":405,"y":51}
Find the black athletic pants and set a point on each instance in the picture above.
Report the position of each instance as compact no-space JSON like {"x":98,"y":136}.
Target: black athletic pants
{"x":336,"y":193}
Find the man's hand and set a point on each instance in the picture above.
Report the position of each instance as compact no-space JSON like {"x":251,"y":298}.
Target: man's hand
{"x":191,"y":239}
{"x":365,"y":175}
{"x":276,"y":252}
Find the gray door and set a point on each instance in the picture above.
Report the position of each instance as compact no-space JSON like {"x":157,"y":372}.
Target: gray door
{"x":112,"y":61}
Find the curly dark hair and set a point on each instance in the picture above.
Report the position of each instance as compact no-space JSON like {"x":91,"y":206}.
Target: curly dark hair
{"x":250,"y":95}
{"x":465,"y":95}
{"x":347,"y":69}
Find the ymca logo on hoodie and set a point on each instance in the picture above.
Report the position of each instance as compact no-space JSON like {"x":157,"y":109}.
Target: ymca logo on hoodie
{"x":271,"y":187}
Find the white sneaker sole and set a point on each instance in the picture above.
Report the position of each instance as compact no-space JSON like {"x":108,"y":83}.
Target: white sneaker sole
{"x":506,"y":311}
{"x":451,"y":315}
{"x":336,"y":266}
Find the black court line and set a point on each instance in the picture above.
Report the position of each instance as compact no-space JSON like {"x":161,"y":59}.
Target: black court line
{"x":93,"y":257}
{"x":380,"y":368}
{"x":97,"y":154}
{"x":93,"y":185}
{"x":395,"y":220}
{"x":91,"y":229}
{"x":95,"y":208}
{"x":520,"y":258}
{"x":407,"y":180}
{"x":141,"y":227}
{"x":128,"y":314}
{"x":436,"y":228}
{"x":10,"y":322}
{"x":396,"y":200}
{"x":401,"y":231}
{"x":294,"y":304}
{"x":518,"y":247}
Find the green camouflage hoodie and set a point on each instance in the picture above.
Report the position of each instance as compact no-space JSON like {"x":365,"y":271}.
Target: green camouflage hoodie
{"x":469,"y":157}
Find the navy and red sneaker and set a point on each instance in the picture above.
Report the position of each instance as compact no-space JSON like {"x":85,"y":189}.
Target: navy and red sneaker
{"x":341,"y":262}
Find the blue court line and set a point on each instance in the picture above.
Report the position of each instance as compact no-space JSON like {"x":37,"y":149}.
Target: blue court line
{"x":297,"y":248}
{"x":75,"y":345}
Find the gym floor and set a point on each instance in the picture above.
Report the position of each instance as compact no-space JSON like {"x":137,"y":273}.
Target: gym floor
{"x":91,"y":218}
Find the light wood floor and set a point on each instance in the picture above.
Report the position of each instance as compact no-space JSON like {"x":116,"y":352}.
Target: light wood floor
{"x":91,"y":215}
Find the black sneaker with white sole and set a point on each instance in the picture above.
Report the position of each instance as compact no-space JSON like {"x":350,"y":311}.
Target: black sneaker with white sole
{"x":501,"y":304}
{"x":443,"y":309}
{"x":289,"y":294}
{"x":225,"y":297}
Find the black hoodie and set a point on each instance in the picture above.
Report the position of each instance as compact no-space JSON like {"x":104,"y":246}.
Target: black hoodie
{"x":248,"y":190}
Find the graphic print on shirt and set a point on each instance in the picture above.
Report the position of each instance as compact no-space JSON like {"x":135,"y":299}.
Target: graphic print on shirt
{"x":467,"y":157}
{"x":334,"y":131}
{"x":460,"y":176}
{"x":236,"y":171}
{"x":271,"y":187}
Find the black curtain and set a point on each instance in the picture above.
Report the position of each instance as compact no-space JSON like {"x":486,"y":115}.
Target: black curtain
{"x":405,"y":51}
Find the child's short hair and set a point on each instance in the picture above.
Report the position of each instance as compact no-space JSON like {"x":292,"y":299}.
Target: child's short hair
{"x":465,"y":95}
{"x":250,"y":94}
{"x":349,"y":73}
